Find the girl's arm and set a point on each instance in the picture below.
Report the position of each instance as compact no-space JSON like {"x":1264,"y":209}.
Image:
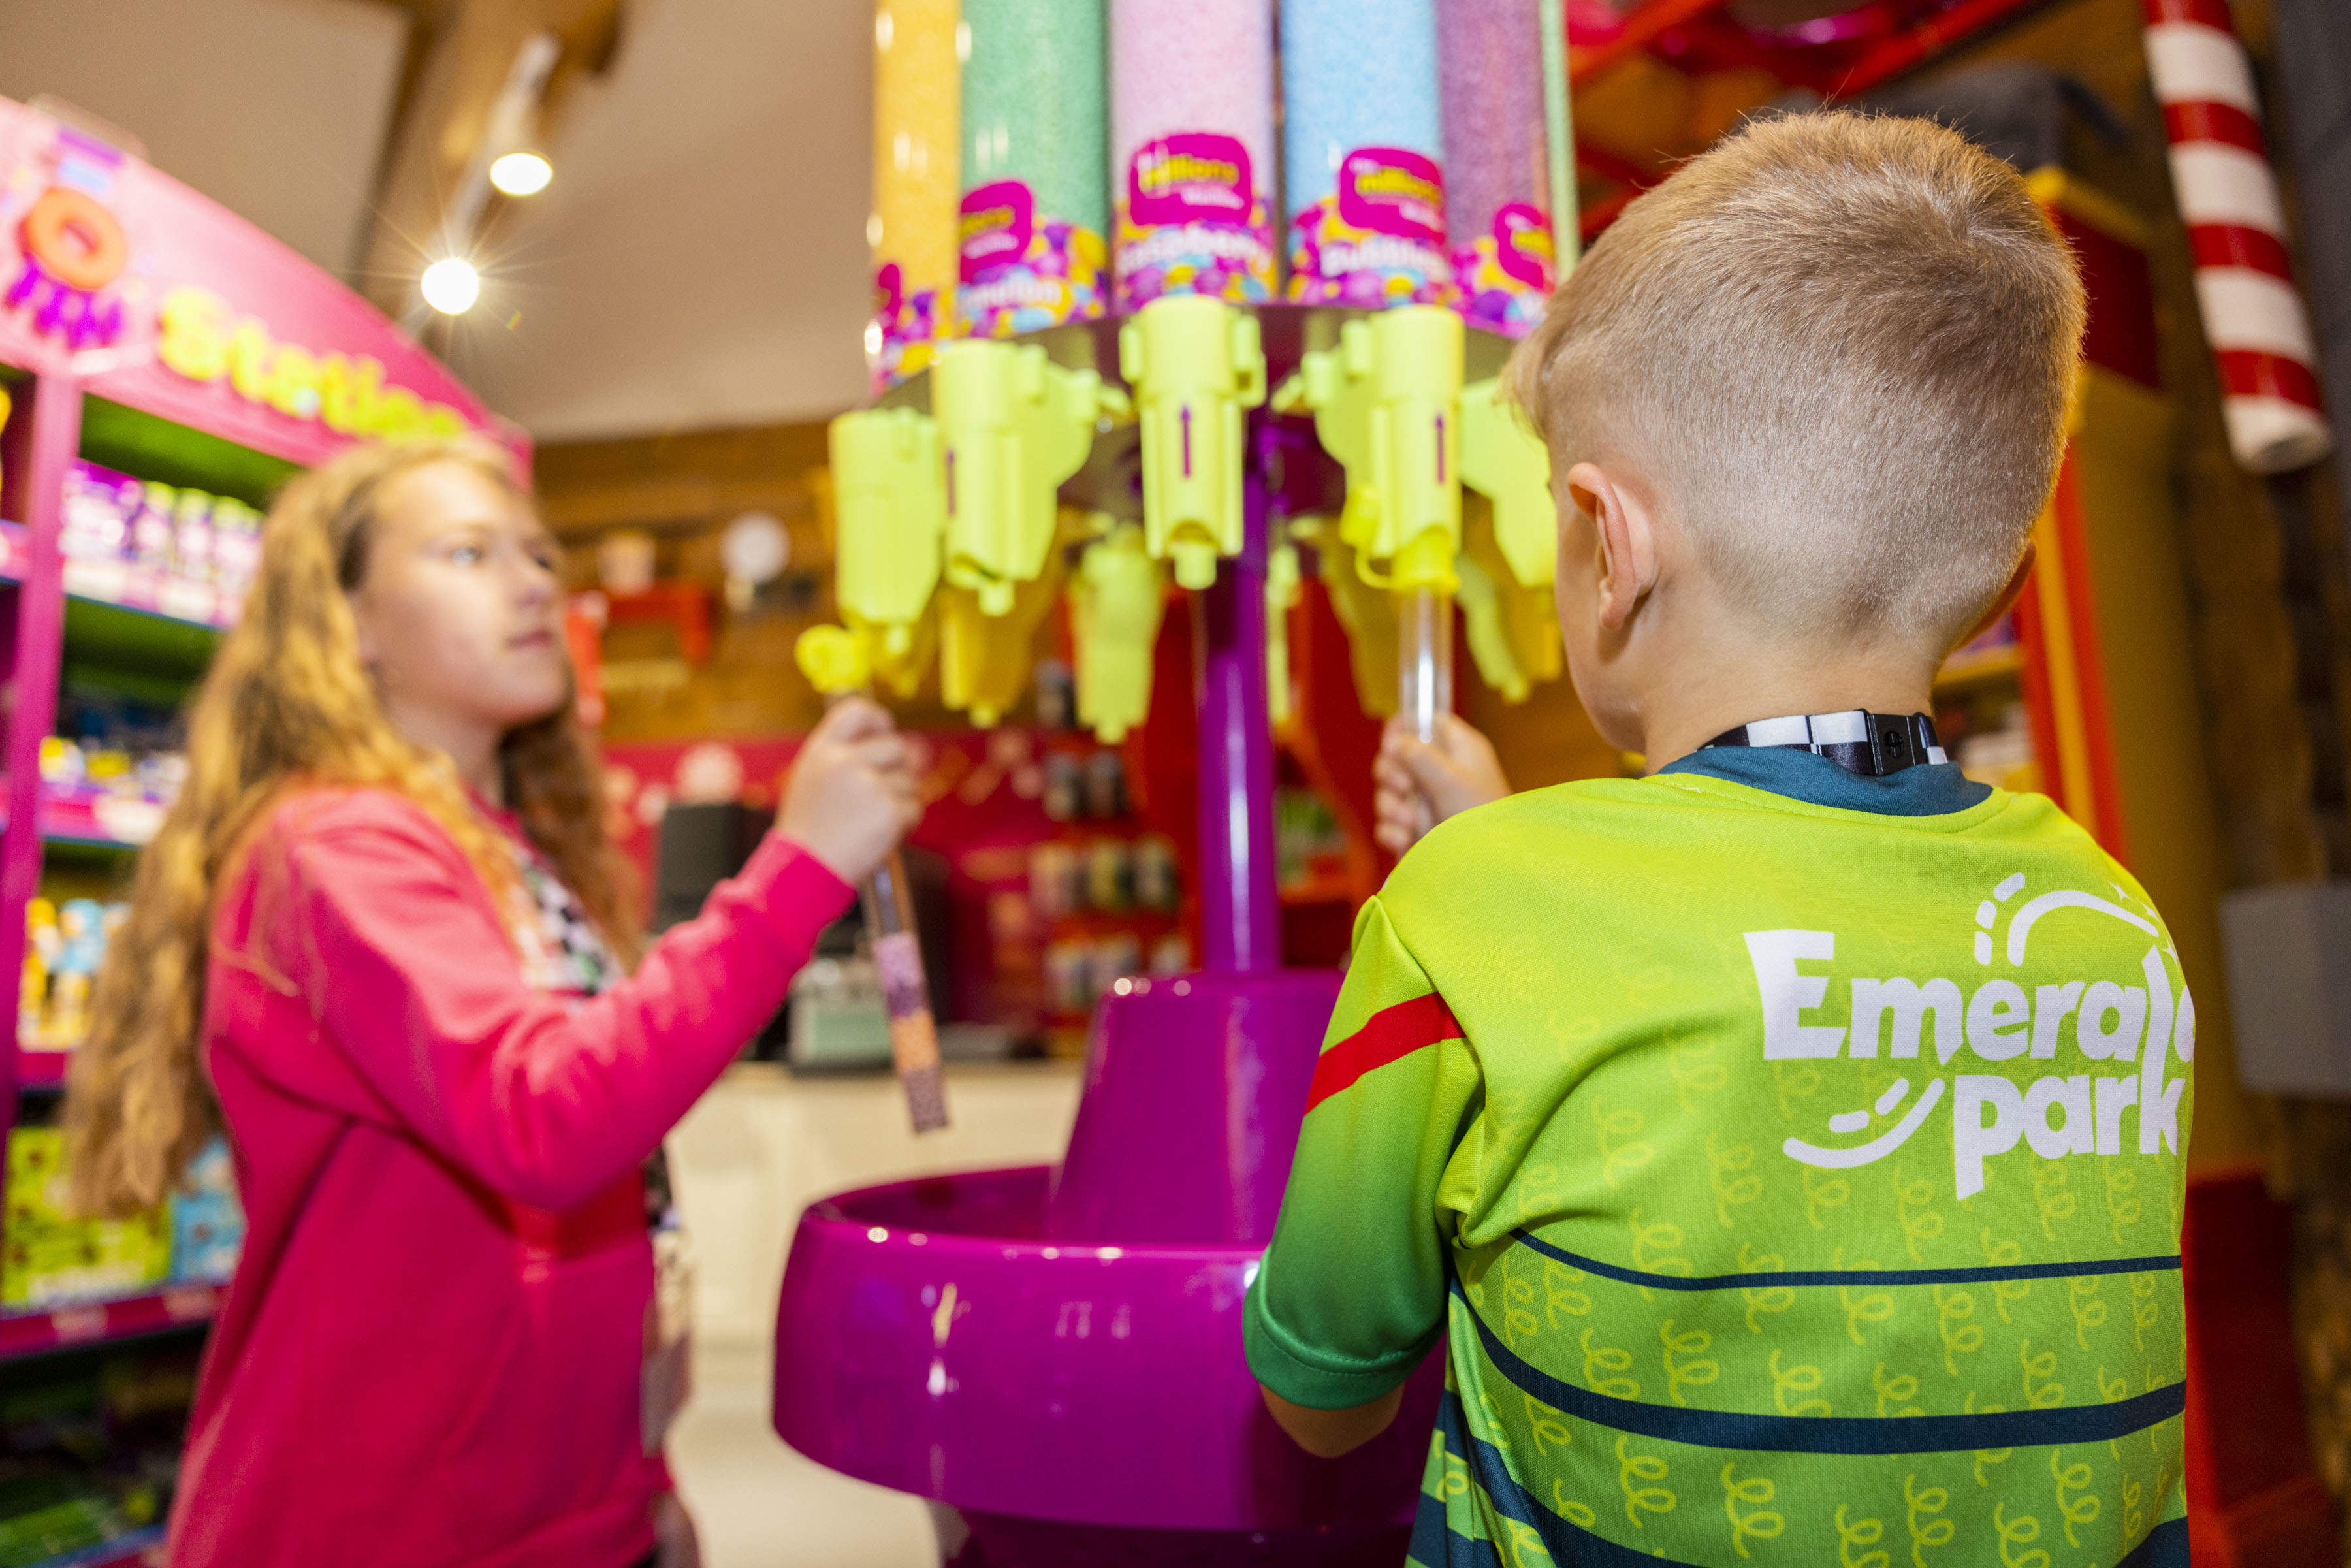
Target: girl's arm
{"x":397,"y":947}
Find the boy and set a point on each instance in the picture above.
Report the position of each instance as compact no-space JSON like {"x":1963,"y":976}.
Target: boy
{"x":1785,"y":1146}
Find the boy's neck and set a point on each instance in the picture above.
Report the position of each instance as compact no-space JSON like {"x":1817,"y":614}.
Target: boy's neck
{"x":1683,"y":714}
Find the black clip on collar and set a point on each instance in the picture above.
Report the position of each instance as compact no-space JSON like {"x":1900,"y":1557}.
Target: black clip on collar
{"x":1870,"y":743}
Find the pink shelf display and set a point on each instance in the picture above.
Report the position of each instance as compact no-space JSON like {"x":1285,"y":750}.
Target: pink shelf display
{"x":90,"y":1322}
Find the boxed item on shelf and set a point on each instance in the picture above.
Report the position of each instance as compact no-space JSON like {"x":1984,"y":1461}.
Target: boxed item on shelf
{"x":64,"y":945}
{"x":48,"y":1255}
{"x":207,"y":1219}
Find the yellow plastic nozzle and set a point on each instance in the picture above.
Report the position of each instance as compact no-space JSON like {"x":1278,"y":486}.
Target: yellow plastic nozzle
{"x":1505,"y":461}
{"x":1196,"y":365}
{"x":1281,"y":596}
{"x":1368,"y":613}
{"x":1013,"y":425}
{"x":985,"y":658}
{"x":1116,"y":604}
{"x":1386,"y":404}
{"x":1513,"y":627}
{"x":889,"y":508}
{"x":833,"y":658}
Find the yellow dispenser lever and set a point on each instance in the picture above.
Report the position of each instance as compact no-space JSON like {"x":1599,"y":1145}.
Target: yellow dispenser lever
{"x":1387,"y":405}
{"x":889,"y":512}
{"x":1196,"y":365}
{"x":1116,"y":608}
{"x":1013,"y":425}
{"x":1506,"y":462}
{"x":1510,"y":546}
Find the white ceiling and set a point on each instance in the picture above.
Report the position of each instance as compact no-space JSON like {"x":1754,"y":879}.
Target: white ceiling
{"x":276,"y":109}
{"x":699,"y":261}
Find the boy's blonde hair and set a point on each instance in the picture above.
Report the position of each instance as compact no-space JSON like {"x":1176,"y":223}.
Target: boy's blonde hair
{"x":1843,"y":344}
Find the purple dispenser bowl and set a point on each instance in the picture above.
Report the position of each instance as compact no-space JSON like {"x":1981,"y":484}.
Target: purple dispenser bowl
{"x":1054,"y":1353}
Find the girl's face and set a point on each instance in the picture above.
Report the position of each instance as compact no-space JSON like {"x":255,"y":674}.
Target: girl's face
{"x":459,"y":610}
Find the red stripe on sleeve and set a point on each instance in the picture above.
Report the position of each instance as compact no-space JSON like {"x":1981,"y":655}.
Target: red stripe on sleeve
{"x":1389,"y":1035}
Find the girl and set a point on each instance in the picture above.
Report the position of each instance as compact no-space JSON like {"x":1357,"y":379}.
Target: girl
{"x":380,"y":939}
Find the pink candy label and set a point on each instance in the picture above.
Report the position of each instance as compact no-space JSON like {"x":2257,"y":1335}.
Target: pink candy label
{"x":1393,"y":191}
{"x":1193,"y":176}
{"x":1378,"y":239}
{"x":899,"y":337}
{"x":1522,"y":246}
{"x":997,"y":221}
{"x":1506,"y":274}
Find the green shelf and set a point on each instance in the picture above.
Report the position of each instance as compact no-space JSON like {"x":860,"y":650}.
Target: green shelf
{"x":154,"y":658}
{"x":148,"y":446}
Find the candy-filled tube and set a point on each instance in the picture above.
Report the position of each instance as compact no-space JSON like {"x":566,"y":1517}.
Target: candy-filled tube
{"x":1363,"y":148}
{"x":1424,"y":668}
{"x":1036,"y":196}
{"x":913,"y":230}
{"x":1491,"y":77}
{"x":1192,"y":170}
{"x":907,"y":992}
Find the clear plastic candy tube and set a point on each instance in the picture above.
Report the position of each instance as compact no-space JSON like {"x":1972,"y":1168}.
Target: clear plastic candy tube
{"x":1423,"y":666}
{"x":907,"y":992}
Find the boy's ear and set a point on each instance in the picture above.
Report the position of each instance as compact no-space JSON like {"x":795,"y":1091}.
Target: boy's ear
{"x":1628,"y":537}
{"x":2008,"y":596}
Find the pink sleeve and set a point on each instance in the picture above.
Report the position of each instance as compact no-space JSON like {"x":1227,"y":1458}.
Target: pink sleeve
{"x":398,"y":947}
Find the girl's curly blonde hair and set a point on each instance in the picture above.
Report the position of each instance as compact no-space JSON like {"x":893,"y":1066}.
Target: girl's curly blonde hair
{"x":288,"y":705}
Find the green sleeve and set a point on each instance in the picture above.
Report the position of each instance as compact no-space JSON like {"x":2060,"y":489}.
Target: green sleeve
{"x":1352,"y":1293}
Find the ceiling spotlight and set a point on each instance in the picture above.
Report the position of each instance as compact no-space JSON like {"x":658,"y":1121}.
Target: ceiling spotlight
{"x":451,"y":285}
{"x":524,"y":173}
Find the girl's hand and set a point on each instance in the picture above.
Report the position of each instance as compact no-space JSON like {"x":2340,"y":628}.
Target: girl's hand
{"x":1419,"y":784}
{"x":850,"y":794}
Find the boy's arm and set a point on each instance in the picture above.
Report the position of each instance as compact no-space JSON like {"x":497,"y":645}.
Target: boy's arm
{"x":1351,"y":1294}
{"x":1328,"y":1434}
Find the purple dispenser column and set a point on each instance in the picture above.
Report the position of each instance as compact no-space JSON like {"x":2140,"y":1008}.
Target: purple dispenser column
{"x":1240,"y":913}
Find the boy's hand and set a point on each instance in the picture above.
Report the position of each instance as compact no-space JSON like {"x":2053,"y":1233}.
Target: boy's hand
{"x":850,"y":794}
{"x":1420,"y":784}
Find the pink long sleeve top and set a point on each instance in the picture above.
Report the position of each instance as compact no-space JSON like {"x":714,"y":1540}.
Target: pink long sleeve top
{"x":430,"y":1355}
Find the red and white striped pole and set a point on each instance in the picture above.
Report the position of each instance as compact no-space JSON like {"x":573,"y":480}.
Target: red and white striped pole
{"x":2254,"y":319}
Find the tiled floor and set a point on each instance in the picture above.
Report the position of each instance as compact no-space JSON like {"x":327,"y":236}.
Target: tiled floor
{"x":758,"y":1504}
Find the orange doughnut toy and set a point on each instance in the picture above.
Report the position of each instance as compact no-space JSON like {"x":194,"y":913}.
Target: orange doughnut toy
{"x":76,"y":241}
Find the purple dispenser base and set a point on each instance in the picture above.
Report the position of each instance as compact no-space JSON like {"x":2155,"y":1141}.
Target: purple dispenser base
{"x":1055,"y":1354}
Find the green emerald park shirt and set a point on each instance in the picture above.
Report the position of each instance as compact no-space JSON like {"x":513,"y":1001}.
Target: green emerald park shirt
{"x":1788,"y":1162}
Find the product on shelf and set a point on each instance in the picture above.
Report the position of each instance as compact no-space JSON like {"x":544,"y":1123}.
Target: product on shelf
{"x":48,"y":1255}
{"x":115,"y":768}
{"x":90,"y":1455}
{"x":157,"y":546}
{"x":53,"y":1256}
{"x":64,"y":945}
{"x":207,"y":1217}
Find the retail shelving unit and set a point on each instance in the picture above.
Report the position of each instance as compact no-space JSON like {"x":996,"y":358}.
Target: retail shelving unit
{"x":147,"y":330}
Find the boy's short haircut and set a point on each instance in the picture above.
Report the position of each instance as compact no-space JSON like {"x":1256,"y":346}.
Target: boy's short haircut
{"x":1844,"y":346}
